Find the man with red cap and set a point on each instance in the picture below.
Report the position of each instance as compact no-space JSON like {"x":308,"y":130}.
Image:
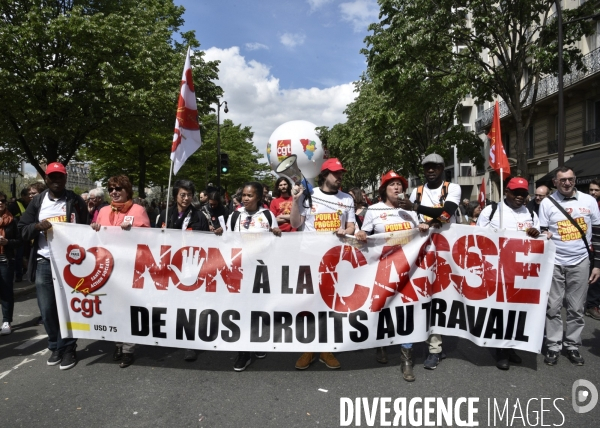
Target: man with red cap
{"x":328,"y":210}
{"x":515,"y":216}
{"x":53,"y":205}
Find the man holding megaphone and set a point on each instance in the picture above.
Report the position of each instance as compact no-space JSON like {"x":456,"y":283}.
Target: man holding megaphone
{"x":330,"y":211}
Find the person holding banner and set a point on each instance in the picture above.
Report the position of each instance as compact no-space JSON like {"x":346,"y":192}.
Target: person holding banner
{"x":516,"y":216}
{"x":183,"y":216}
{"x":331,"y":211}
{"x":214,"y":211}
{"x":436,"y":203}
{"x":56,"y":204}
{"x":252,"y":217}
{"x":124,"y":213}
{"x":387,"y":216}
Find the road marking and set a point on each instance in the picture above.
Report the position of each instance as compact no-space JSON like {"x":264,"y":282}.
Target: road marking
{"x":31,"y":341}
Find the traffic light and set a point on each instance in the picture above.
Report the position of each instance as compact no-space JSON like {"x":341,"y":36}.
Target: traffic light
{"x":224,"y":163}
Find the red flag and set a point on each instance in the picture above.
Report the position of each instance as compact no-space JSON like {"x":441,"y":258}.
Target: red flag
{"x":498,"y":157}
{"x":481,"y":198}
{"x":186,"y":138}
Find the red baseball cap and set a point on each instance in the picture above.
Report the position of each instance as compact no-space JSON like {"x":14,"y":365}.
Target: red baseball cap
{"x":332,"y":165}
{"x":56,"y":167}
{"x":518,"y":183}
{"x":391,"y":175}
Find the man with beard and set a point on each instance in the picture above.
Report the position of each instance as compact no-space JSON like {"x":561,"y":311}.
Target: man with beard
{"x":436,"y":203}
{"x":338,"y":209}
{"x":281,"y":206}
{"x":515,"y":216}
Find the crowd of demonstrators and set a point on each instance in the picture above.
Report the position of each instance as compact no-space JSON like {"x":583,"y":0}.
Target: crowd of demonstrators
{"x":254,"y":218}
{"x":10,"y":242}
{"x":56,"y":204}
{"x":540,"y":193}
{"x":572,"y":262}
{"x":281,"y":205}
{"x":387,"y":216}
{"x":593,"y":296}
{"x":326,"y":199}
{"x":124,"y":213}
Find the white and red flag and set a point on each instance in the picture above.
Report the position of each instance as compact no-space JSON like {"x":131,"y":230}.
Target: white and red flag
{"x":186,"y":138}
{"x":481,"y":197}
{"x":498,"y":159}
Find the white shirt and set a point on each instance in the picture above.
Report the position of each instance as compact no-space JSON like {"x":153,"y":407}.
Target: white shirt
{"x":431,"y":198}
{"x":570,"y":249}
{"x":55,"y":211}
{"x":512,"y":219}
{"x":381,"y":218}
{"x":257,"y":222}
{"x":328,"y":212}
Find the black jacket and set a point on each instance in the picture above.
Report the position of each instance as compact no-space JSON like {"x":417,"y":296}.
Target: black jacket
{"x":11,"y":233}
{"x":196,"y":222}
{"x":75,"y":207}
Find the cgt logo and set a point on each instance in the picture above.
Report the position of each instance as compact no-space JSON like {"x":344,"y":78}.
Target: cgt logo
{"x":284,"y":149}
{"x":584,"y":396}
{"x":86,"y":285}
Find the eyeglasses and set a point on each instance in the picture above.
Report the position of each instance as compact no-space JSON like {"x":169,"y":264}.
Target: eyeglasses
{"x":567,"y":179}
{"x":246,"y":223}
{"x":118,"y":189}
{"x":186,"y":195}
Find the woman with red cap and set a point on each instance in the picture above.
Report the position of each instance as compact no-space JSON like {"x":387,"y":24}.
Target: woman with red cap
{"x":387,"y":216}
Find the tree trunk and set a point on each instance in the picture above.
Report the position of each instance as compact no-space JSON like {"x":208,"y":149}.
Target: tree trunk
{"x":142,"y":173}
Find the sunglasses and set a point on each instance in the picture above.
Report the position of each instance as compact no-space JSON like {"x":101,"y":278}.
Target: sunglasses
{"x":246,"y":223}
{"x":118,"y":189}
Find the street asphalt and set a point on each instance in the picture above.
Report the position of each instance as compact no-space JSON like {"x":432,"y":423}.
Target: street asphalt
{"x":162,"y":390}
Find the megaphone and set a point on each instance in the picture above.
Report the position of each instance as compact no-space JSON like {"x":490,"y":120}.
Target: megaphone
{"x":289,"y":169}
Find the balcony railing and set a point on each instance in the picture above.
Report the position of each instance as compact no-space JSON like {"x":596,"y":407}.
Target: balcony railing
{"x":552,"y":147}
{"x":548,"y":86}
{"x":590,"y":137}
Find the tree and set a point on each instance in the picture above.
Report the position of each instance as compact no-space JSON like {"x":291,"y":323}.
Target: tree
{"x":87,"y":73}
{"x":508,"y":48}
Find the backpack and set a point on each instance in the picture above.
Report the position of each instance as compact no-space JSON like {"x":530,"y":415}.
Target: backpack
{"x":442,"y":197}
{"x":236,"y":214}
{"x":495,"y":207}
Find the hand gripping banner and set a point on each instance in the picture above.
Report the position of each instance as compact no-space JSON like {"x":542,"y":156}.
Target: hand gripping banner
{"x":302,"y":291}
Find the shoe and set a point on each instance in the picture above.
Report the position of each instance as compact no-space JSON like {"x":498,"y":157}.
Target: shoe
{"x":305,"y":361}
{"x":551,"y":358}
{"x":260,"y":355}
{"x":593,"y":313}
{"x":55,"y":358}
{"x":329,"y":360}
{"x":40,"y":321}
{"x":5,"y":330}
{"x":127,"y":360}
{"x":118,"y":354}
{"x":407,"y":364}
{"x":513,"y":357}
{"x":575,"y":357}
{"x":502,"y":359}
{"x":69,"y":358}
{"x":381,"y":355}
{"x":432,"y":360}
{"x":190,"y":355}
{"x":243,"y":360}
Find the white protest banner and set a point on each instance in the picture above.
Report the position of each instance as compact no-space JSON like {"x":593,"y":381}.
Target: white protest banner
{"x":302,"y":291}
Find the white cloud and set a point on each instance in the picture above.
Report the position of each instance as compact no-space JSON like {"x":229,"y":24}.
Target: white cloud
{"x":291,"y":40}
{"x":255,"y":46}
{"x":315,"y":4}
{"x":255,"y":99}
{"x":360,"y":13}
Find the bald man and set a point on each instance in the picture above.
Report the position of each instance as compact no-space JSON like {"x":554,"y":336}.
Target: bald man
{"x":540,"y":193}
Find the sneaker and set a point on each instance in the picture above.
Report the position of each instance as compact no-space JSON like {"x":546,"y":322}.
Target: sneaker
{"x":243,"y":360}
{"x":69,"y":358}
{"x":260,"y":355}
{"x":575,"y":357}
{"x":118,"y":354}
{"x":190,"y":355}
{"x":55,"y":358}
{"x":5,"y":330}
{"x":127,"y":360}
{"x":593,"y":313}
{"x":329,"y":360}
{"x":432,"y":360}
{"x":305,"y":361}
{"x":551,"y":358}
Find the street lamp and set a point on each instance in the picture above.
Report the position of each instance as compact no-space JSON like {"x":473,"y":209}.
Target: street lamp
{"x":225,"y":110}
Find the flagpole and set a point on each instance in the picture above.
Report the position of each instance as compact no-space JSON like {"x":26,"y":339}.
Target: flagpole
{"x":501,"y":197}
{"x":169,"y":193}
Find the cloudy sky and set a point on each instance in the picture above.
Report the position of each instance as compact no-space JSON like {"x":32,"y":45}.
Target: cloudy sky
{"x":283,"y":60}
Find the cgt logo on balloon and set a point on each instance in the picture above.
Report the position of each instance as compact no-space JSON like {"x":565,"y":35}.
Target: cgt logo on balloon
{"x":89,"y":284}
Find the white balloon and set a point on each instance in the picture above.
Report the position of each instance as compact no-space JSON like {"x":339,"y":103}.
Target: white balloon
{"x":297,"y":137}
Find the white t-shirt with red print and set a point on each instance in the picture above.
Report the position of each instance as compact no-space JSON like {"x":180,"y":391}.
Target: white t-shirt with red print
{"x":257,"y":222}
{"x":328,"y":212}
{"x":381,"y":218}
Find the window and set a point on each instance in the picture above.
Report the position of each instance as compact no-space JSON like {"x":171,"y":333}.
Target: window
{"x":529,"y":142}
{"x":479,"y":110}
